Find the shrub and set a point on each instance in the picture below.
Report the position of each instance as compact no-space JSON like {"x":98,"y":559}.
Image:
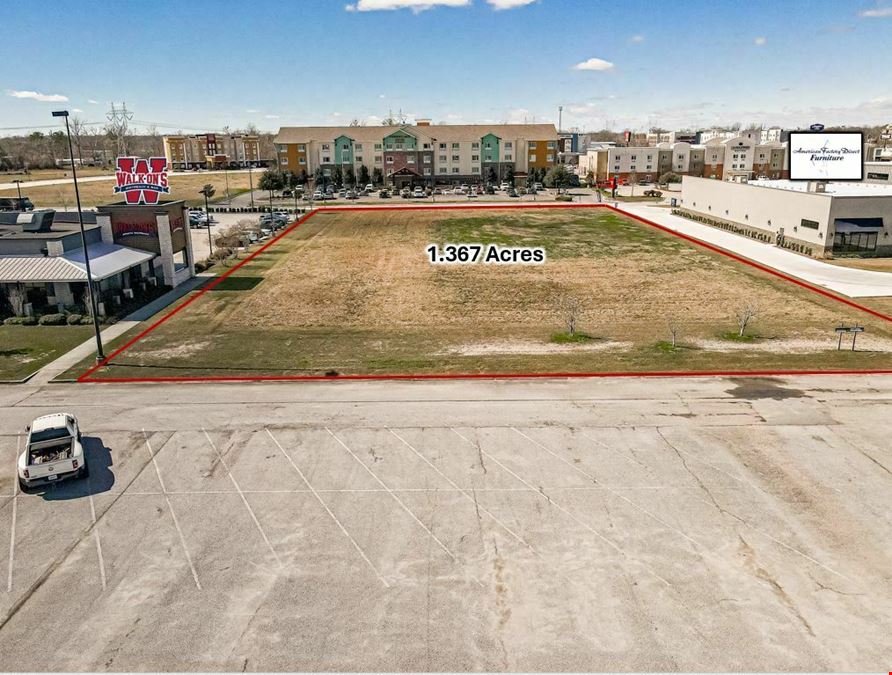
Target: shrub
{"x":21,"y":321}
{"x":52,"y":320}
{"x":74,"y":319}
{"x":86,"y":320}
{"x":563,"y":198}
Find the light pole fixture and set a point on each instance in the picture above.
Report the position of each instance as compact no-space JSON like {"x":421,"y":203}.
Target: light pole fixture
{"x":207,"y":215}
{"x":251,"y":183}
{"x":18,"y":187}
{"x":94,"y":307}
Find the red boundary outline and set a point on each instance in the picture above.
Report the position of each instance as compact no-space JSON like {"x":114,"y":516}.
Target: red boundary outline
{"x":87,"y":376}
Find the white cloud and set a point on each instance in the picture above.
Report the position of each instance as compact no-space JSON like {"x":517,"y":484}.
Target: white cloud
{"x":37,"y":96}
{"x":637,"y":39}
{"x":508,"y":4}
{"x":90,"y":100}
{"x":876,"y":12}
{"x":252,"y":110}
{"x":594,"y":64}
{"x":271,"y":117}
{"x":381,"y":96}
{"x":759,"y":41}
{"x":76,"y":110}
{"x":415,"y":5}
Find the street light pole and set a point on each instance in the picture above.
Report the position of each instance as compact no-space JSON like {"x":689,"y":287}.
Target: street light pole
{"x":18,"y":187}
{"x":251,"y":183}
{"x":100,"y":356}
{"x":207,"y":215}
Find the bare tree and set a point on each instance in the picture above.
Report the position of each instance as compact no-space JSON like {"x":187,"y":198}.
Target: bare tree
{"x":674,"y":331}
{"x":78,"y":127}
{"x":17,"y":297}
{"x":571,"y":308}
{"x":745,"y":314}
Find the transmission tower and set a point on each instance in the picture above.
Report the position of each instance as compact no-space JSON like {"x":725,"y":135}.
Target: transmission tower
{"x":119,"y":126}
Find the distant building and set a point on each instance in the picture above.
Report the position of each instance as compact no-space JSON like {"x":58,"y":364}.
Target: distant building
{"x":815,"y":218}
{"x":741,"y":157}
{"x":213,"y":151}
{"x":421,"y":153}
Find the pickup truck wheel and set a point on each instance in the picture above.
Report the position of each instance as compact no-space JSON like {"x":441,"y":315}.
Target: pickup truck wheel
{"x":24,"y":487}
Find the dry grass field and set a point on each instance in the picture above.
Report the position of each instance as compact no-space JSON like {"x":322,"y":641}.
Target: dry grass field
{"x":354,"y":293}
{"x":95,"y":193}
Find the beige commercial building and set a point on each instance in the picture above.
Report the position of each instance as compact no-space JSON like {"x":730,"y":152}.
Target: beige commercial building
{"x":813,"y":218}
{"x":420,"y":153}
{"x":213,"y":151}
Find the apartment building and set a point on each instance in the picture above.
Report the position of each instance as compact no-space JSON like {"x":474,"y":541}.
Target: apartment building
{"x":741,"y":157}
{"x":421,"y":153}
{"x":213,"y":151}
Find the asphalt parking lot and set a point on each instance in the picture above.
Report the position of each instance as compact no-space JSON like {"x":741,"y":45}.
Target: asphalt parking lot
{"x":700,"y":525}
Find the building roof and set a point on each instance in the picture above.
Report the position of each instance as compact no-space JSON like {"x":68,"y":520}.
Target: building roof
{"x":105,"y":260}
{"x":833,"y":189}
{"x":57,"y":230}
{"x":438,"y":132}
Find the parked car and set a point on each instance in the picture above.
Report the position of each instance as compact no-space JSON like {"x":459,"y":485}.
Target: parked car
{"x":405,"y":193}
{"x":53,"y":451}
{"x":489,"y":189}
{"x":511,"y":192}
{"x":458,"y":191}
{"x":200,"y":216}
{"x":505,"y":186}
{"x":418,"y":193}
{"x":16,"y":204}
{"x":287,"y":193}
{"x":384,"y":194}
{"x":351,"y":194}
{"x":437,"y":191}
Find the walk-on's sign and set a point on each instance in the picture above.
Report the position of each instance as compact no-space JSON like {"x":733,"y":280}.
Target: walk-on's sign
{"x":142,"y":181}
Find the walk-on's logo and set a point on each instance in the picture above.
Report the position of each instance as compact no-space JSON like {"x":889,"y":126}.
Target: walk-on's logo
{"x":142,"y":181}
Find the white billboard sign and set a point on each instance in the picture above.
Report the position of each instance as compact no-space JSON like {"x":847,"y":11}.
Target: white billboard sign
{"x":826,"y":155}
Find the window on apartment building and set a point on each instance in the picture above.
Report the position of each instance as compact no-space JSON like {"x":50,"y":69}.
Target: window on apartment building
{"x":326,"y":172}
{"x":509,"y":158}
{"x":616,"y":167}
{"x":476,"y":146}
{"x":389,"y":159}
{"x":345,"y":146}
{"x":649,"y":158}
{"x":301,"y":148}
{"x":456,"y":146}
{"x":359,"y":158}
{"x":533,"y":144}
{"x":475,"y":158}
{"x":325,"y":146}
{"x":426,"y":146}
{"x":377,"y":146}
{"x":427,"y":172}
{"x":649,"y":167}
{"x":284,"y":160}
{"x":410,"y":160}
{"x":427,"y":159}
{"x":475,"y":169}
{"x":443,"y":169}
{"x":633,"y":158}
{"x":442,"y":146}
{"x":377,"y":159}
{"x":509,"y":145}
{"x":487,"y":145}
{"x":454,"y":158}
{"x":680,"y":157}
{"x":532,"y":158}
{"x":442,"y":158}
{"x":551,"y":145}
{"x":455,"y":169}
{"x":549,"y":158}
{"x":326,"y":160}
{"x":632,"y":168}
{"x":301,"y":160}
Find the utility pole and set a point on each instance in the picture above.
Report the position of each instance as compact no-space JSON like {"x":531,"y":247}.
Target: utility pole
{"x":119,"y":119}
{"x":560,"y":118}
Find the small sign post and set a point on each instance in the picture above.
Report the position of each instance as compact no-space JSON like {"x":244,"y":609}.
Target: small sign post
{"x":854,"y":330}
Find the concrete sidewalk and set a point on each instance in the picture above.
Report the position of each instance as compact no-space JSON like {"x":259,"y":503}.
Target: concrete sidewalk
{"x":848,"y":281}
{"x":54,"y":369}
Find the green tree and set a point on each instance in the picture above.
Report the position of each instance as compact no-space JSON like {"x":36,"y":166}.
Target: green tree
{"x":271,"y":181}
{"x":509,"y":175}
{"x":349,"y":176}
{"x":557,"y":177}
{"x":319,"y":178}
{"x":377,"y":176}
{"x":337,"y":176}
{"x":363,"y":175}
{"x":491,"y":175}
{"x":304,"y":178}
{"x":669,"y":177}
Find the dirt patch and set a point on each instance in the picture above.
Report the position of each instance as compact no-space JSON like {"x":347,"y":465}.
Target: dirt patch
{"x":522,"y":347}
{"x":186,"y":349}
{"x":864,"y":343}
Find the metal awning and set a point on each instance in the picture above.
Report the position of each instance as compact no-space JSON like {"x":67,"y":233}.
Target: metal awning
{"x":106,"y":260}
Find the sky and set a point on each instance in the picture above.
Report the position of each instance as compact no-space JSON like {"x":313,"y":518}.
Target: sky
{"x":196,"y":65}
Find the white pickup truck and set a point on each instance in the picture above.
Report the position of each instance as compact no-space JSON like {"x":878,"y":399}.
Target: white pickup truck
{"x":53,"y":451}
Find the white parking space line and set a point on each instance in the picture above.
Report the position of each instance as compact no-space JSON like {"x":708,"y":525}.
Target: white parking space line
{"x":96,"y":539}
{"x":328,"y":510}
{"x":15,"y":503}
{"x":563,"y":510}
{"x":469,"y":496}
{"x":244,"y":500}
{"x":395,"y":496}
{"x":616,"y":494}
{"x":173,"y":515}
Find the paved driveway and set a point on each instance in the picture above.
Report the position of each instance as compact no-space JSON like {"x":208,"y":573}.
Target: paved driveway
{"x":684,"y":524}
